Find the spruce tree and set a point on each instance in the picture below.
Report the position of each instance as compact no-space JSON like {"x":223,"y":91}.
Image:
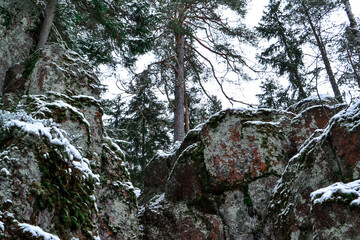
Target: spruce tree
{"x":285,"y":54}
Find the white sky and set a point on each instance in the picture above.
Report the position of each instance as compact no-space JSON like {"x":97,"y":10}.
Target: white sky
{"x":248,"y":90}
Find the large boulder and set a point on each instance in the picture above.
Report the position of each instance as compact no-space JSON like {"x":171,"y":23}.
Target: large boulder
{"x":311,"y":200}
{"x":220,"y":183}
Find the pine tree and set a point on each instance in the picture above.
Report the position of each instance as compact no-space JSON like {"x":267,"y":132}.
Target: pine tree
{"x":349,"y":49}
{"x":179,"y":49}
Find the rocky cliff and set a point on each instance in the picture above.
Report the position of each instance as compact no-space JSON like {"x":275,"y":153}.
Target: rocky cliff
{"x":61,"y":177}
{"x":260,"y":174}
{"x":244,"y":174}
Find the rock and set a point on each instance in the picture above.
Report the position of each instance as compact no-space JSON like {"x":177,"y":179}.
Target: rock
{"x":312,"y":114}
{"x":59,"y":70}
{"x":58,"y":169}
{"x":323,"y":160}
{"x":253,"y":171}
{"x":18,"y":23}
{"x":245,"y":145}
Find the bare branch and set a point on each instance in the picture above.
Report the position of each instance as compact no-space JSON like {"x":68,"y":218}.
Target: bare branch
{"x":230,"y":99}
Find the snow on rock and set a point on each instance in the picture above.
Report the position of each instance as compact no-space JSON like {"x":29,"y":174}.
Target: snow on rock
{"x":155,"y":202}
{"x":5,"y":172}
{"x":1,"y":226}
{"x":38,"y":128}
{"x":337,"y":191}
{"x":37,"y":232}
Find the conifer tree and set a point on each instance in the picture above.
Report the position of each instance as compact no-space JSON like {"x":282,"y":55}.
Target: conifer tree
{"x":185,"y":31}
{"x":146,"y":123}
{"x":274,"y":96}
{"x":141,"y":124}
{"x":103,"y":30}
{"x":309,"y":15}
{"x":285,"y":54}
{"x":349,"y":48}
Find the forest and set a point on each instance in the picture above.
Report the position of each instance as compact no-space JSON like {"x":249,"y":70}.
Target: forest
{"x":196,"y":46}
{"x":179,"y":119}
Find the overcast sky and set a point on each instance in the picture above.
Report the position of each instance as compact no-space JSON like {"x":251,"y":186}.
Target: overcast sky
{"x":248,"y":90}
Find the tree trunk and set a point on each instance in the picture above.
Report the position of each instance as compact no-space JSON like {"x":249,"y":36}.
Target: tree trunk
{"x":324,"y":56}
{"x":353,"y":24}
{"x":187,"y":114}
{"x":179,"y":131}
{"x":47,"y":23}
{"x":355,"y":30}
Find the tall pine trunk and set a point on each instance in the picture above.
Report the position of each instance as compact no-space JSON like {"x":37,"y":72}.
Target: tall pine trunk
{"x":324,"y":56}
{"x":353,"y":24}
{"x":179,"y":131}
{"x":47,"y":23}
{"x":355,"y":30}
{"x":187,"y":113}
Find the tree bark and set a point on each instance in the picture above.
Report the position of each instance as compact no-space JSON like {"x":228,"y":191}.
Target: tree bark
{"x":353,"y":24}
{"x":47,"y":23}
{"x":354,"y":27}
{"x":187,"y":114}
{"x":324,"y":56}
{"x":179,"y":131}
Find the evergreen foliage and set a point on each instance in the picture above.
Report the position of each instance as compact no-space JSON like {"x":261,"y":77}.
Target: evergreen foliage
{"x":274,"y":96}
{"x":184,"y":31}
{"x":105,"y":30}
{"x":142,"y":123}
{"x":285,"y":54}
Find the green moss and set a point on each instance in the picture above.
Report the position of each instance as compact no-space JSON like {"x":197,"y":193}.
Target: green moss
{"x":6,"y":16}
{"x":247,"y":199}
{"x":30,"y":63}
{"x":204,"y":204}
{"x":68,"y":195}
{"x":197,"y":155}
{"x":214,"y":121}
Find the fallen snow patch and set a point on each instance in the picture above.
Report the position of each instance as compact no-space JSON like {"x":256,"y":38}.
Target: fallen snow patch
{"x":1,"y":226}
{"x":155,"y":202}
{"x":335,"y":191}
{"x":56,"y":137}
{"x":37,"y":232}
{"x":5,"y":172}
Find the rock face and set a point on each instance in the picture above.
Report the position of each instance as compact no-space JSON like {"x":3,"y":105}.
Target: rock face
{"x":18,"y":23}
{"x":58,"y":170}
{"x":60,"y":176}
{"x":260,"y":174}
{"x":244,"y":174}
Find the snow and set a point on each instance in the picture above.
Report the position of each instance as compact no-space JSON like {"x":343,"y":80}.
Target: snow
{"x":263,"y":123}
{"x":113,"y":144}
{"x":5,"y":172}
{"x":37,"y":232}
{"x":327,"y":193}
{"x":154,"y":203}
{"x":41,"y":128}
{"x":137,"y":192}
{"x":62,"y":104}
{"x":88,"y":97}
{"x":1,"y":226}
